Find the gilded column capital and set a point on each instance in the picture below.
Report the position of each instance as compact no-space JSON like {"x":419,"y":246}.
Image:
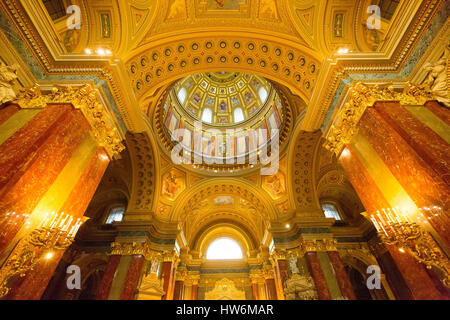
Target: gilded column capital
{"x":330,"y":244}
{"x":132,"y":249}
{"x":87,"y":100}
{"x":360,"y":97}
{"x":279,"y":254}
{"x":309,"y":246}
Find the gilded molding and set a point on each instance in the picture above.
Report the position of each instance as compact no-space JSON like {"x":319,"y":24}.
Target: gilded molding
{"x":361,"y":97}
{"x":86,"y":99}
{"x":132,"y":249}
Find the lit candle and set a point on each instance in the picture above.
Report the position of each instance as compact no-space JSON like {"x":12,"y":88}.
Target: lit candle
{"x":384,"y":230}
{"x":68,"y":224}
{"x":375,"y":223}
{"x":63,"y":221}
{"x":44,"y":221}
{"x":54,"y":216}
{"x":75,"y":228}
{"x":395,"y":215}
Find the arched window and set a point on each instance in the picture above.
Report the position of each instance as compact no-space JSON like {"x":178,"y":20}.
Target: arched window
{"x":115,"y":214}
{"x":182,"y":95}
{"x":224,"y":249}
{"x":238,"y":115}
{"x":263,"y":94}
{"x":207,"y":115}
{"x":331,"y":211}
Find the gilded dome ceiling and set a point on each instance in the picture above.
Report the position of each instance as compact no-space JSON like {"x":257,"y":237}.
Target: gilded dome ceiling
{"x":222,"y":116}
{"x":222,"y":98}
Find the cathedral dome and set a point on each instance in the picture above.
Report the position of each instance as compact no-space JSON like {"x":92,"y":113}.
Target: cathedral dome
{"x":223,"y":117}
{"x":223,"y":99}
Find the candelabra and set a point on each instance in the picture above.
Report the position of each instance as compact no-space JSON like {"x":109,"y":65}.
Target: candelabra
{"x":396,"y":228}
{"x":55,"y":233}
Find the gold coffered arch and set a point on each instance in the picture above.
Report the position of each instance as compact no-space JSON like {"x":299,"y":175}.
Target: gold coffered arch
{"x":160,"y":63}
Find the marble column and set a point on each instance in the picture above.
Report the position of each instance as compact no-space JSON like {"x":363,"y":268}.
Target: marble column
{"x":194,"y":291}
{"x":108,"y":277}
{"x":317,"y":274}
{"x":439,"y":110}
{"x":255,"y":290}
{"x":54,"y":150}
{"x":178,"y":290}
{"x":416,"y":156}
{"x":33,"y":285}
{"x":341,"y":276}
{"x":132,"y":279}
{"x":414,"y":274}
{"x":167,"y":271}
{"x":271,"y":289}
{"x":35,"y":149}
{"x":282,"y":271}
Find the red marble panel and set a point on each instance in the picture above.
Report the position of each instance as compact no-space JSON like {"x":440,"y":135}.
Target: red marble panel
{"x":194,"y":294}
{"x":421,"y":285}
{"x":108,"y":277}
{"x":255,"y":292}
{"x":282,"y":271}
{"x":178,"y":290}
{"x":367,"y":190}
{"x":76,"y":205}
{"x":423,"y":185}
{"x":317,"y":274}
{"x":439,"y":110}
{"x":132,"y":278}
{"x":20,"y":150}
{"x":81,"y":195}
{"x":167,"y":276}
{"x":341,"y":275}
{"x":394,"y":277}
{"x":7,"y":112}
{"x":46,"y":163}
{"x":271,"y":289}
{"x":430,"y":146}
{"x":35,"y":282}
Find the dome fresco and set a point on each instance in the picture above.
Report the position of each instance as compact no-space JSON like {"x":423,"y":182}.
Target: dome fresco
{"x":230,"y":104}
{"x":222,"y":98}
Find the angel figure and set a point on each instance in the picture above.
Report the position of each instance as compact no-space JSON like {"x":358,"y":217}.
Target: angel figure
{"x":437,"y":80}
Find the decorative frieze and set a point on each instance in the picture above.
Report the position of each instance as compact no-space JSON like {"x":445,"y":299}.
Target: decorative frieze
{"x":86,"y":99}
{"x":360,"y":97}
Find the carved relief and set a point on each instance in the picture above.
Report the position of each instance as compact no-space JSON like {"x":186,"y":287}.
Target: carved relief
{"x":300,"y":287}
{"x":7,"y":76}
{"x":225,"y":289}
{"x":437,"y":79}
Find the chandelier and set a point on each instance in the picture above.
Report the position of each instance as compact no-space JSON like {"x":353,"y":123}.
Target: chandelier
{"x":396,"y":228}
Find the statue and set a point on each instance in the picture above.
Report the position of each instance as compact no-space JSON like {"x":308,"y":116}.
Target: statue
{"x":7,"y":75}
{"x":437,"y":80}
{"x":293,"y":265}
{"x":300,"y":288}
